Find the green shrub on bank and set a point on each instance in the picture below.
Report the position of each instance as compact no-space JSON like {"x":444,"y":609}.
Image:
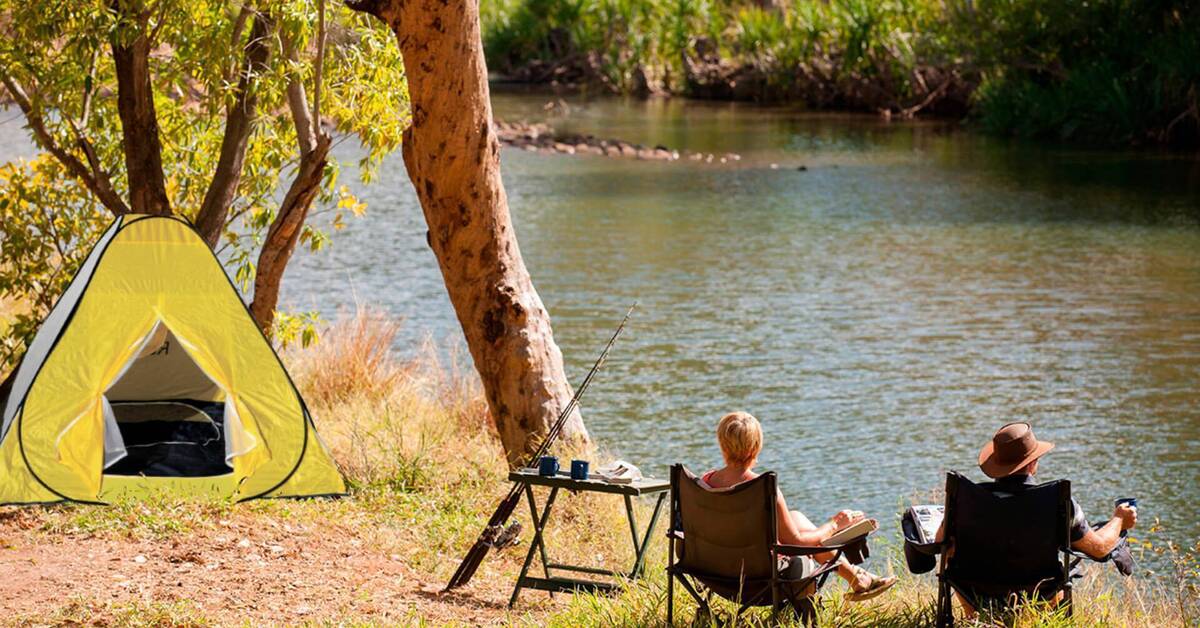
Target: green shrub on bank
{"x":1115,"y":71}
{"x":1122,"y":71}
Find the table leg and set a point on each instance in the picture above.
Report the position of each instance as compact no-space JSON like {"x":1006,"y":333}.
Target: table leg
{"x":533,"y":515}
{"x":533,"y":546}
{"x":639,"y":565}
{"x":633,"y":531}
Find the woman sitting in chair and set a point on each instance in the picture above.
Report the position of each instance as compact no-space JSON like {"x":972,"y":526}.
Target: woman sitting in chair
{"x":740,"y":437}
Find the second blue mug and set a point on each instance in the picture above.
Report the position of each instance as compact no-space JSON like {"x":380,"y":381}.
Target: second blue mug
{"x":579,"y":469}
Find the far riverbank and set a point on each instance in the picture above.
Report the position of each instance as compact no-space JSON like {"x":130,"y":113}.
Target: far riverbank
{"x":1100,"y":73}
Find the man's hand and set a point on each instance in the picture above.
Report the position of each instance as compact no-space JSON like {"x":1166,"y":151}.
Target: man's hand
{"x":846,"y":518}
{"x":1128,"y":516}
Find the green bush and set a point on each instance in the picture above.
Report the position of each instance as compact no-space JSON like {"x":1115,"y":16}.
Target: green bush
{"x":1114,"y":71}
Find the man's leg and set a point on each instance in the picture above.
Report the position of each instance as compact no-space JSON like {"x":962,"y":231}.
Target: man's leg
{"x":968,"y":610}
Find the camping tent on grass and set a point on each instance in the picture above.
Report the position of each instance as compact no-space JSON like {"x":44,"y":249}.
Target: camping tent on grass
{"x":149,"y":374}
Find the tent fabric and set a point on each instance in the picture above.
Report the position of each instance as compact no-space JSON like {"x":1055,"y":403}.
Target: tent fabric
{"x":152,"y":316}
{"x":51,"y":327}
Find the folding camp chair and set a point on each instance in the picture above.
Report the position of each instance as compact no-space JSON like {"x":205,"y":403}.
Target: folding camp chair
{"x":725,"y":541}
{"x":1001,"y":549}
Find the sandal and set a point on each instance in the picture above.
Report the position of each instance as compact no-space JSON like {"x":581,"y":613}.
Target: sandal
{"x":874,"y":588}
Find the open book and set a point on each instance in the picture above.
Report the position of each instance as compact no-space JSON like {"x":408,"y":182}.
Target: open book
{"x":851,"y":532}
{"x":618,"y":472}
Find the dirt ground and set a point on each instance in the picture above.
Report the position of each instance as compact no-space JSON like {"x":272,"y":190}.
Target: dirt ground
{"x":268,"y":573}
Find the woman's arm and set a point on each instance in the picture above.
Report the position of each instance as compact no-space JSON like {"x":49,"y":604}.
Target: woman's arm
{"x":792,"y":534}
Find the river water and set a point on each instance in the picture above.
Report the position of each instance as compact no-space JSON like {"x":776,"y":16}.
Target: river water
{"x":882,"y":311}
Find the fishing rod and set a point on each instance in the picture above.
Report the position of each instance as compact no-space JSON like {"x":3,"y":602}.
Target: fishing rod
{"x":494,"y":532}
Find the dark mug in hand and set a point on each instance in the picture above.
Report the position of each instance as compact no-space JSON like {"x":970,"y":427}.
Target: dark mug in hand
{"x":1132,"y":501}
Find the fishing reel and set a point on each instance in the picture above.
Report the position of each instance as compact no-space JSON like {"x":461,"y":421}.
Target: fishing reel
{"x":500,"y":537}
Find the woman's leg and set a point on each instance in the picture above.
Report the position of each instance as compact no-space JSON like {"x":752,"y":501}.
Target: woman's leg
{"x":858,"y":578}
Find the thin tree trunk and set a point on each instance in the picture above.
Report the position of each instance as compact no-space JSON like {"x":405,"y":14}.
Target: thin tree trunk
{"x":284,"y":232}
{"x":139,"y":120}
{"x":239,"y":122}
{"x":453,"y":158}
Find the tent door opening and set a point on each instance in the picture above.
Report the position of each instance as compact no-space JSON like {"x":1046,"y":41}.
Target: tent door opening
{"x":169,"y":416}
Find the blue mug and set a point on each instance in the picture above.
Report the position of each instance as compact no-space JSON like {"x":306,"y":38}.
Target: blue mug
{"x":548,"y":466}
{"x":579,"y":469}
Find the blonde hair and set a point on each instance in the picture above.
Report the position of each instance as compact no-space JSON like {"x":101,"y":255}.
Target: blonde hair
{"x":740,"y":437}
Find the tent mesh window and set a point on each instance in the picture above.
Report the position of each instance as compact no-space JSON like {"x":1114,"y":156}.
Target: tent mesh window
{"x":170,"y":415}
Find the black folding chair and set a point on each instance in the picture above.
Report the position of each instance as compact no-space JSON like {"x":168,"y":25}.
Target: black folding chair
{"x":724,"y":542}
{"x":1002,"y":549}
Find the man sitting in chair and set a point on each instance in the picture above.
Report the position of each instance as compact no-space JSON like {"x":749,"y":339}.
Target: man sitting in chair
{"x":1011,"y":459}
{"x":740,"y":437}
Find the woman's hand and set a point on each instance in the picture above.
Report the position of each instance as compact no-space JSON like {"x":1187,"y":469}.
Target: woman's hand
{"x":846,"y":518}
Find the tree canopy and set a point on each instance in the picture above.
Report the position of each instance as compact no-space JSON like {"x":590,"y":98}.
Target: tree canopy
{"x":202,"y":108}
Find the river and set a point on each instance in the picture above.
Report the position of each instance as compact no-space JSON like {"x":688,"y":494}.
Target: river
{"x":881,"y":311}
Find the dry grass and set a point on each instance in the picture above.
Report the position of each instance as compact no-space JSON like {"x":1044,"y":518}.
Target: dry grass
{"x":425,"y":470}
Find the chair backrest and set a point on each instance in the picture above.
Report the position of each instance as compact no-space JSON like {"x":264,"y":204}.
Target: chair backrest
{"x":1007,"y":539}
{"x":726,"y":532}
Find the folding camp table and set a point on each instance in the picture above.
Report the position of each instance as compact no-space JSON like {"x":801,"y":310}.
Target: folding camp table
{"x":529,"y":478}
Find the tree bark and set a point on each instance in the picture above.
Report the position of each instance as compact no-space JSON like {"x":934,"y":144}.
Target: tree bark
{"x":135,"y":105}
{"x":453,"y":158}
{"x":239,"y":122}
{"x":284,"y":232}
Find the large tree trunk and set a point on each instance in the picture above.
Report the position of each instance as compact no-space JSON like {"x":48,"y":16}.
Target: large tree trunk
{"x":135,"y":104}
{"x":453,"y":158}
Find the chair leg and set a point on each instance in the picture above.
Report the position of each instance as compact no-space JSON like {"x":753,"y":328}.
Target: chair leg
{"x":670,"y":599}
{"x":945,"y":606}
{"x":670,"y":581}
{"x":806,"y":610}
{"x":1068,"y":601}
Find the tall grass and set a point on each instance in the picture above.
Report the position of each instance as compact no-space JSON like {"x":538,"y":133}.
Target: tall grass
{"x":425,"y":470}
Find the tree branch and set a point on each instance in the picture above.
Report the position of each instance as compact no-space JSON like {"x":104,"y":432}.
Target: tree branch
{"x":135,"y":105}
{"x":285,"y":230}
{"x":306,"y":131}
{"x":239,"y":123}
{"x":94,"y":178}
{"x":239,"y":26}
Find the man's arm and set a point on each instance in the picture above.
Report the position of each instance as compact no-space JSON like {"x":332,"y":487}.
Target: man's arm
{"x":1098,"y":543}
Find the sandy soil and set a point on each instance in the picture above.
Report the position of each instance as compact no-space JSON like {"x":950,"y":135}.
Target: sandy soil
{"x":268,"y":573}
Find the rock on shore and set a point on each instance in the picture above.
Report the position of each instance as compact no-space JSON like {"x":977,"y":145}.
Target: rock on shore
{"x":544,"y":139}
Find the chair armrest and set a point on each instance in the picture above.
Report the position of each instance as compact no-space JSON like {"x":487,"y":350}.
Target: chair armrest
{"x":808,"y":550}
{"x":848,"y":545}
{"x":800,"y":550}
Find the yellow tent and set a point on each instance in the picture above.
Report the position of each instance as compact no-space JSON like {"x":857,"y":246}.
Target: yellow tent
{"x":150,"y":375}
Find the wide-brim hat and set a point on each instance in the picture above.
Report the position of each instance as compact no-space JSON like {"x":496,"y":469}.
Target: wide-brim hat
{"x":1013,"y":447}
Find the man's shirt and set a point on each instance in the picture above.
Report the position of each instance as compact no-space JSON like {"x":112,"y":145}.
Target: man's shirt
{"x":1019,"y":482}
